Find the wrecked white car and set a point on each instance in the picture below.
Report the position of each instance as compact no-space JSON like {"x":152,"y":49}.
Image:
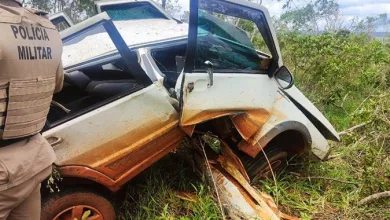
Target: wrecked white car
{"x":134,"y":88}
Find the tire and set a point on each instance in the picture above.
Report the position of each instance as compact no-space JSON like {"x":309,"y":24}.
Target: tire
{"x":73,"y":204}
{"x":258,"y":168}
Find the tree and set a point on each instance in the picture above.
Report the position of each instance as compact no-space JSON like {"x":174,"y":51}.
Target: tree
{"x":317,"y":15}
{"x":370,"y":25}
{"x":77,"y":10}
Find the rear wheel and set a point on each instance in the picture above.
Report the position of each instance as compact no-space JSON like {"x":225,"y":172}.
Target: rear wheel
{"x":70,"y":205}
{"x":260,"y":167}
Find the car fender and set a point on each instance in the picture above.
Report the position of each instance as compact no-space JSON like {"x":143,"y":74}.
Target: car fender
{"x":283,"y":117}
{"x":312,"y":113}
{"x":84,"y":172}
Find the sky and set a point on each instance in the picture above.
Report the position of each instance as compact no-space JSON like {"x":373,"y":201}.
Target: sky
{"x":348,"y":8}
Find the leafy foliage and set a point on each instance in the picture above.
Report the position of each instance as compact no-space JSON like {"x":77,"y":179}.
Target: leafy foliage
{"x":347,"y":76}
{"x":309,"y":17}
{"x":335,"y":64}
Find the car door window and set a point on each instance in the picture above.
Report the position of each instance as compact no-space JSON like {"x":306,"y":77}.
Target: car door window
{"x":225,"y":45}
{"x":232,"y":38}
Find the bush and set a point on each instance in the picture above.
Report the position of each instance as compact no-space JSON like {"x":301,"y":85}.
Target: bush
{"x":329,"y":66}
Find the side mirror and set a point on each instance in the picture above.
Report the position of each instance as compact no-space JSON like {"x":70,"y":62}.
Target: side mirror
{"x":284,"y":78}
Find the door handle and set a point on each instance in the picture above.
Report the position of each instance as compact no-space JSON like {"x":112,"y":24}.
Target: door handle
{"x":53,"y":140}
{"x":210,"y":71}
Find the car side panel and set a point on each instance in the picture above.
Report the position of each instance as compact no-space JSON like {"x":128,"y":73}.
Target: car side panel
{"x":116,"y":137}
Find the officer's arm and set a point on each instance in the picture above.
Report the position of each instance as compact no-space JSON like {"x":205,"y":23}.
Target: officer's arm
{"x":59,"y":78}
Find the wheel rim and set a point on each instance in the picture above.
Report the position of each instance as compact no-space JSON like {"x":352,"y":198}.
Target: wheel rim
{"x":76,"y":212}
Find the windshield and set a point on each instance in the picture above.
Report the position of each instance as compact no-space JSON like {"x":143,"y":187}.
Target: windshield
{"x":132,"y":11}
{"x":225,"y":45}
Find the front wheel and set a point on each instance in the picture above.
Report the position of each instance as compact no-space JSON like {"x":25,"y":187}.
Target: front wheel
{"x":259,"y":168}
{"x":81,"y":204}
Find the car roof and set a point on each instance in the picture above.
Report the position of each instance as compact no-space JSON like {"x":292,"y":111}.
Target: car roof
{"x":135,"y":33}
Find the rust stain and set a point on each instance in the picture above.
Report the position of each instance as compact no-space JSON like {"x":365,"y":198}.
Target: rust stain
{"x":251,"y":145}
{"x":197,"y":117}
{"x":250,"y":149}
{"x":250,"y":122}
{"x":136,"y":158}
{"x":124,"y":157}
{"x":88,"y":173}
{"x":159,"y":148}
{"x":129,"y":142}
{"x":189,"y":130}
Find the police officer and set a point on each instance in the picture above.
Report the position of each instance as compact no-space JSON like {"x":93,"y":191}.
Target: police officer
{"x":30,"y":72}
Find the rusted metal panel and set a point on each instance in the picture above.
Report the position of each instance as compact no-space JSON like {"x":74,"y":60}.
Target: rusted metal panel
{"x":135,"y":159}
{"x":172,"y":140}
{"x":123,"y":137}
{"x":88,"y":173}
{"x":116,"y":173}
{"x":250,"y":122}
{"x":189,"y":130}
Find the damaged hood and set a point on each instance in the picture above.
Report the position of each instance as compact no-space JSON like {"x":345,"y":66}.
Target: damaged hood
{"x":134,"y":33}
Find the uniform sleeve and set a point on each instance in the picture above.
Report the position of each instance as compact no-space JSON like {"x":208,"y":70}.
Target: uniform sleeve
{"x":59,"y":78}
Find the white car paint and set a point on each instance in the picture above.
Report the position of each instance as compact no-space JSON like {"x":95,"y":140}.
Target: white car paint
{"x":226,"y":94}
{"x":139,"y":113}
{"x":134,"y":32}
{"x":301,"y":99}
{"x":282,"y":105}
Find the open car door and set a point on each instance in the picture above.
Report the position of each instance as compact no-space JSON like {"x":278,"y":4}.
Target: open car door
{"x":224,"y":74}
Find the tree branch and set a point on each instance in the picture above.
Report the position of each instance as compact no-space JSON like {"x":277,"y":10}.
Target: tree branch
{"x":353,"y":128}
{"x":373,"y":197}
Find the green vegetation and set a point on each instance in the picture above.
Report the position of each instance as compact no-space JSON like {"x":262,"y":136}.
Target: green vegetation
{"x":170,"y":189}
{"x":347,"y":77}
